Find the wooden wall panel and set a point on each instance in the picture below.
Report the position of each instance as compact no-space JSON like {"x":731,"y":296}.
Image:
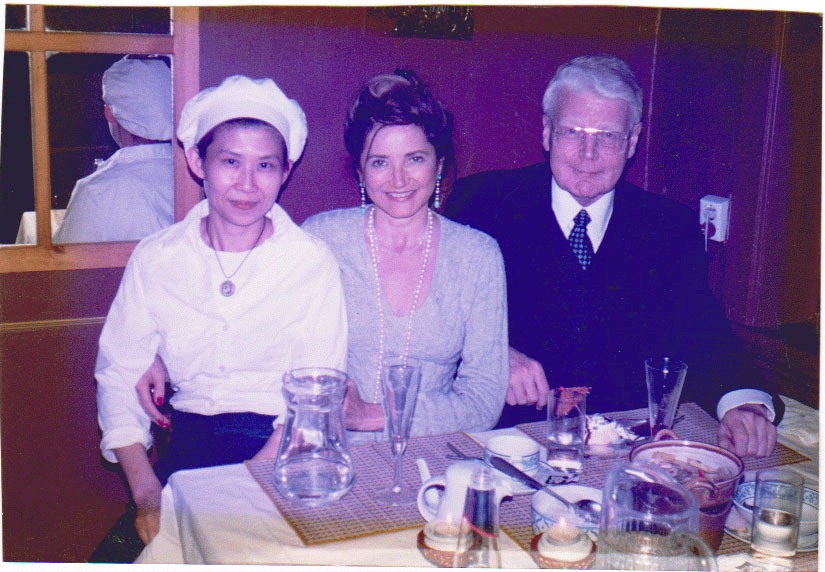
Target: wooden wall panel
{"x":58,"y":498}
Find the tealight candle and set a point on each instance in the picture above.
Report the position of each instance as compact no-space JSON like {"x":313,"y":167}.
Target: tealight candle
{"x":444,"y":535}
{"x":565,"y":543}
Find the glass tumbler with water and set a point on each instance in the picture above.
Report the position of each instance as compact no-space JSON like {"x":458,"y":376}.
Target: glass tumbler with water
{"x":566,"y":429}
{"x":313,"y":465}
{"x":777,"y":507}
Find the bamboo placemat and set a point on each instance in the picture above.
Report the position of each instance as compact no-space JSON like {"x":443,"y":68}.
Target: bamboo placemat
{"x":358,"y":513}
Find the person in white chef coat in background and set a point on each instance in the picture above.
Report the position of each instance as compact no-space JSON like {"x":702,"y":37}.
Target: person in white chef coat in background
{"x":131,"y":194}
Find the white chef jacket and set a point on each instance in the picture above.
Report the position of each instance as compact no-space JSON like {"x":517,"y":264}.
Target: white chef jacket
{"x":128,"y":197}
{"x":223,"y":354}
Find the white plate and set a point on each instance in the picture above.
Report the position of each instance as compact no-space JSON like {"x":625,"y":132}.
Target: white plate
{"x":736,"y":526}
{"x":618,"y":448}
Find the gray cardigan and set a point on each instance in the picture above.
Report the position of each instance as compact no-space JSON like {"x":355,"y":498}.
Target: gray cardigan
{"x":459,"y":333}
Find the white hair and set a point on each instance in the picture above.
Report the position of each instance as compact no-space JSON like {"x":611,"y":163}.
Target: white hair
{"x":606,"y":75}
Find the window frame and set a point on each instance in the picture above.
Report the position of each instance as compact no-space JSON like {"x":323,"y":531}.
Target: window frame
{"x":182,"y":44}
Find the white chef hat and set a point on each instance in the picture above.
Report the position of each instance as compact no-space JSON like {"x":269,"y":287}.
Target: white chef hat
{"x":139,"y":93}
{"x":239,"y":96}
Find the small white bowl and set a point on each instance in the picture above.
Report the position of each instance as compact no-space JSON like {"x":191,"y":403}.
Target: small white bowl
{"x":547,"y":511}
{"x":809,"y":523}
{"x":521,"y":452}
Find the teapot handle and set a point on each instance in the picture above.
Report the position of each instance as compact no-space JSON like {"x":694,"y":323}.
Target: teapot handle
{"x":428,"y":497}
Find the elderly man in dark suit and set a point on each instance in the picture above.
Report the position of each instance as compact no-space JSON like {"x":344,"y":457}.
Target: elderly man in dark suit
{"x":601,"y":274}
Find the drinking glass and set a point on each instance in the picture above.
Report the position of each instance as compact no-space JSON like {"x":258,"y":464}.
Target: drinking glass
{"x":777,"y":507}
{"x":566,"y":429}
{"x":665,"y":378}
{"x":400,"y":378}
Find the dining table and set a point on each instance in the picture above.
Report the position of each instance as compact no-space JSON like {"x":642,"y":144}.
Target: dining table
{"x":232,"y":514}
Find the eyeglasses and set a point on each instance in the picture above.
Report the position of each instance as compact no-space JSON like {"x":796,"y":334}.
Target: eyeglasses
{"x":609,"y":141}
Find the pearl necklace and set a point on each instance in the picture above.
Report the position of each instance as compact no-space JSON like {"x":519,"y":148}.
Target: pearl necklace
{"x":379,"y":295}
{"x":227,"y":286}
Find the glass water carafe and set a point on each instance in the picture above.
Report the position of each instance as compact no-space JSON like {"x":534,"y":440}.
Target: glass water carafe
{"x":649,"y":522}
{"x":313,"y":465}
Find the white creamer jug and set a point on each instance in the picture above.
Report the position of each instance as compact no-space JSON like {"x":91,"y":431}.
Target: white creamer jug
{"x":449,"y":505}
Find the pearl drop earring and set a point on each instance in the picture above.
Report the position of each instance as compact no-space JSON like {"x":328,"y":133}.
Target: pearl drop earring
{"x":437,"y":199}
{"x":363,"y":197}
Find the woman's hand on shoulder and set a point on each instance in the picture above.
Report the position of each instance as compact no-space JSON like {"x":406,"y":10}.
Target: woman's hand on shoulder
{"x":151,"y":388}
{"x":360,"y":415}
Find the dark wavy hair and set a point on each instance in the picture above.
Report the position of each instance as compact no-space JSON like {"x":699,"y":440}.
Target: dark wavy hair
{"x":400,"y":98}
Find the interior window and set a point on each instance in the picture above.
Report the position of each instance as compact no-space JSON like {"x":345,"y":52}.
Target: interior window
{"x":16,"y":167}
{"x":132,"y":20}
{"x":54,"y":130}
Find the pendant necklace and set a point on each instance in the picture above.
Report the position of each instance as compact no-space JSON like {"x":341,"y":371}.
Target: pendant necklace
{"x":380,"y":296}
{"x":227,"y":286}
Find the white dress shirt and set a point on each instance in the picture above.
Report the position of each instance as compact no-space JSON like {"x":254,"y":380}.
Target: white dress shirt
{"x":130,"y":196}
{"x":223,"y":354}
{"x":565,"y":208}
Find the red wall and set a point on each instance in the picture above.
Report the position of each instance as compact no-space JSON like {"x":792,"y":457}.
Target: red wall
{"x":492,"y":84}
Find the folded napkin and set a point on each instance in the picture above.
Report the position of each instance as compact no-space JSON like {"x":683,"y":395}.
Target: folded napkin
{"x":800,"y":424}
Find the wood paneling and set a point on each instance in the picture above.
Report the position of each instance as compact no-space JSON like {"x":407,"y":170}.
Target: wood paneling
{"x":58,"y":498}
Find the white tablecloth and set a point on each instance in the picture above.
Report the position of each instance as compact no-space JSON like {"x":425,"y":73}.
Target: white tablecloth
{"x":221,"y":515}
{"x":27,"y":231}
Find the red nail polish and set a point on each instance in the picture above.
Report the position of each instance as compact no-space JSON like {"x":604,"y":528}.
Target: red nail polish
{"x":160,"y":400}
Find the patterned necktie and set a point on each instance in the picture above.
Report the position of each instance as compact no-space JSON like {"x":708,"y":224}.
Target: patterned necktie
{"x":579,"y":241}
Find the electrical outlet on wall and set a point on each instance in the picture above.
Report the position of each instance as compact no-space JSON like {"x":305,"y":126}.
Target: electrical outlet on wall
{"x":714,"y":215}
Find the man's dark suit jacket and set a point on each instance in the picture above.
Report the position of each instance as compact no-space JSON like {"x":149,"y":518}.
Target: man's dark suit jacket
{"x":645,"y":293}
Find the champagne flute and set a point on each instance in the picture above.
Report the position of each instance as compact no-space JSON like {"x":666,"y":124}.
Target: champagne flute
{"x":400,"y":378}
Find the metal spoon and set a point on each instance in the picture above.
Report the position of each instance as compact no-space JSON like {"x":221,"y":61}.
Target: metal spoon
{"x":588,"y":509}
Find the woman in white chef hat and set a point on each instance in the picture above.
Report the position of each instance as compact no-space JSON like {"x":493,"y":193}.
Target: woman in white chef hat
{"x":230,"y":298}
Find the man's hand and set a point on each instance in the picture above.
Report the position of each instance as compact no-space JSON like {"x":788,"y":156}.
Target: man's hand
{"x":360,"y":415}
{"x":527,"y":384}
{"x":150,"y":389}
{"x":746,"y":431}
